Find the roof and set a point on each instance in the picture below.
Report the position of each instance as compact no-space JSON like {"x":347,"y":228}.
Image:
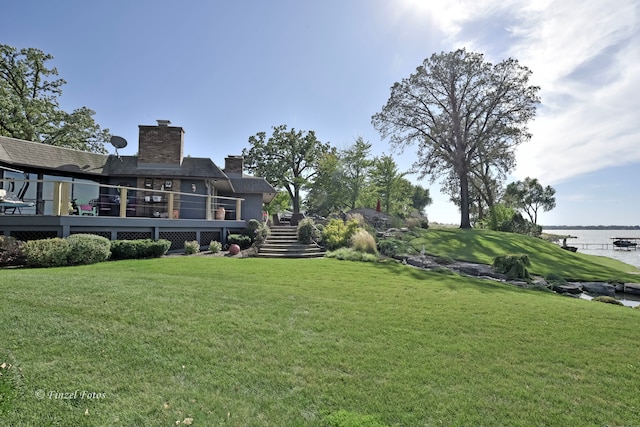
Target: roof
{"x":21,"y":154}
{"x":247,"y":184}
{"x":36,"y":155}
{"x":193,"y":167}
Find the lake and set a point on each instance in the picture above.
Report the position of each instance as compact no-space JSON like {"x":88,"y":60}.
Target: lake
{"x":631,"y":257}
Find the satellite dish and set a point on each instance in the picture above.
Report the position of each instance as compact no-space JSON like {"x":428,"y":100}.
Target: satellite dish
{"x":118,"y":142}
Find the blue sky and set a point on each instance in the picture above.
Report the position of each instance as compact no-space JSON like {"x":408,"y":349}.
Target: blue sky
{"x":227,"y":70}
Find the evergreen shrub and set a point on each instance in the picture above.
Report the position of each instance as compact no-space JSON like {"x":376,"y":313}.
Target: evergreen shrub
{"x":88,"y":249}
{"x":11,"y":252}
{"x":52,"y":252}
{"x":514,"y":266}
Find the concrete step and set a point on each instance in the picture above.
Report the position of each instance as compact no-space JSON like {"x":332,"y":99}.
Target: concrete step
{"x":283,"y":243}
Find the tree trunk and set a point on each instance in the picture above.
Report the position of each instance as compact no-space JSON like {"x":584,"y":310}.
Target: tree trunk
{"x":296,"y":200}
{"x":464,"y":201}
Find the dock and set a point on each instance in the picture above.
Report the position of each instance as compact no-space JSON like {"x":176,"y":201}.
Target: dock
{"x":629,"y":243}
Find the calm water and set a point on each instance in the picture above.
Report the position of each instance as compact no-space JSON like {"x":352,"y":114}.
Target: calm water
{"x":631,"y":257}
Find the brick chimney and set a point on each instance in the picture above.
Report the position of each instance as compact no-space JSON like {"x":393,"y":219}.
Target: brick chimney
{"x":234,"y":165}
{"x":161,"y":144}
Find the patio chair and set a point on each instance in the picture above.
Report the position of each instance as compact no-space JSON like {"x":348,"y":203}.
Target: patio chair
{"x":85,"y":208}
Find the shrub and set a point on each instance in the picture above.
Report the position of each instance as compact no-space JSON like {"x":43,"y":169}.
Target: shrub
{"x":608,"y":300}
{"x":137,"y":249}
{"x":391,"y":247}
{"x":307,"y":231}
{"x":241,"y":240}
{"x":349,"y":254}
{"x":215,"y":246}
{"x":88,"y":249}
{"x":362,"y":241}
{"x":52,"y":252}
{"x":337,"y":233}
{"x":191,"y":247}
{"x":256,"y":231}
{"x":412,"y":223}
{"x":514,"y":266}
{"x":11,"y":252}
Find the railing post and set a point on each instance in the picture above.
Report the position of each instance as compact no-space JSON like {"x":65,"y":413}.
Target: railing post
{"x":238,"y":213}
{"x":208,"y":207}
{"x":61,"y":198}
{"x":123,"y":202}
{"x":170,"y":205}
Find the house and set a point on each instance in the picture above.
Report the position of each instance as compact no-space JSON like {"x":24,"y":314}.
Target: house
{"x":159,"y":183}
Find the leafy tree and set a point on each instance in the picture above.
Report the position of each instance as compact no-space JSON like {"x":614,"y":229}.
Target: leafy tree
{"x":529,"y":196}
{"x":326,"y":193}
{"x":287,"y":159}
{"x":461,"y":111}
{"x":420,"y":198}
{"x":355,"y":165}
{"x":392,"y":189}
{"x":29,"y":106}
{"x":280,"y":203}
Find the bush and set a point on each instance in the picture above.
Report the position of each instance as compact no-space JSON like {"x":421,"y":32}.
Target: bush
{"x":412,"y":223}
{"x":256,"y":231}
{"x":392,"y":247}
{"x":241,"y":240}
{"x":191,"y":247}
{"x":307,"y":231}
{"x":215,"y":246}
{"x":514,"y":266}
{"x":52,"y":252}
{"x":362,"y":241}
{"x":11,"y":251}
{"x":608,"y":300}
{"x":349,"y":254}
{"x":88,"y":249}
{"x":137,"y":249}
{"x":337,"y":233}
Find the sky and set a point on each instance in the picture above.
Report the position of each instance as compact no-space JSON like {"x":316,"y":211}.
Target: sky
{"x":225,"y":71}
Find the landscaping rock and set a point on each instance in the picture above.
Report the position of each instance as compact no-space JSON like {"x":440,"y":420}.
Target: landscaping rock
{"x":632,"y":288}
{"x":599,"y":288}
{"x":570,"y":288}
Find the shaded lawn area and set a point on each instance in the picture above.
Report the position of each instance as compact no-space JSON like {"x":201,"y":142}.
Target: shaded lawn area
{"x":294,"y":342}
{"x":483,"y":246}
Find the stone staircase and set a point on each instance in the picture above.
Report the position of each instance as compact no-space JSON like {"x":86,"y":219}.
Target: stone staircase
{"x":283,"y":243}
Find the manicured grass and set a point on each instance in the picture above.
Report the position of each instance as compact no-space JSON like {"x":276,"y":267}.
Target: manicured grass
{"x":546,"y":258}
{"x":309,"y":342}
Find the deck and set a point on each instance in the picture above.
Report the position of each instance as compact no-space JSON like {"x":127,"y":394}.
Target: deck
{"x":177,"y":231}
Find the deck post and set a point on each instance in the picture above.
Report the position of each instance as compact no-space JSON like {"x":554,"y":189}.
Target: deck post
{"x":61,"y":198}
{"x":123,"y":202}
{"x":170,"y":206}
{"x":238,"y":213}
{"x":208,"y":208}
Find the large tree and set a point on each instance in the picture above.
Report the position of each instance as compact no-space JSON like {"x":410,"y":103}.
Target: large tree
{"x":355,"y":166}
{"x":390,"y":186}
{"x":288,"y":159}
{"x":529,"y":196}
{"x":29,"y":107}
{"x":461,"y":111}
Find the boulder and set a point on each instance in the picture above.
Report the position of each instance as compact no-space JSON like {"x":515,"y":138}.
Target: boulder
{"x":599,"y":288}
{"x":569,"y":288}
{"x":632,"y":288}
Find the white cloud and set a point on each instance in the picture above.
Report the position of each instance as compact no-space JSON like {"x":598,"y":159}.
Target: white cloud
{"x":584,"y":55}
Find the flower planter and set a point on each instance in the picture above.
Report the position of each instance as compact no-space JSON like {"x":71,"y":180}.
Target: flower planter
{"x":220,"y":212}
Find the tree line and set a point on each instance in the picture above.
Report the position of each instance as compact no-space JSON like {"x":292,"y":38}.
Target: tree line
{"x":464,"y":116}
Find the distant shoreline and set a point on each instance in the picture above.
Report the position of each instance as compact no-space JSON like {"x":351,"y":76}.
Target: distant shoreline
{"x":591,"y":227}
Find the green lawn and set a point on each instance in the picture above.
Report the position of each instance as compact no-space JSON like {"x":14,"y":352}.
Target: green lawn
{"x":484,"y":245}
{"x":221,"y":341}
